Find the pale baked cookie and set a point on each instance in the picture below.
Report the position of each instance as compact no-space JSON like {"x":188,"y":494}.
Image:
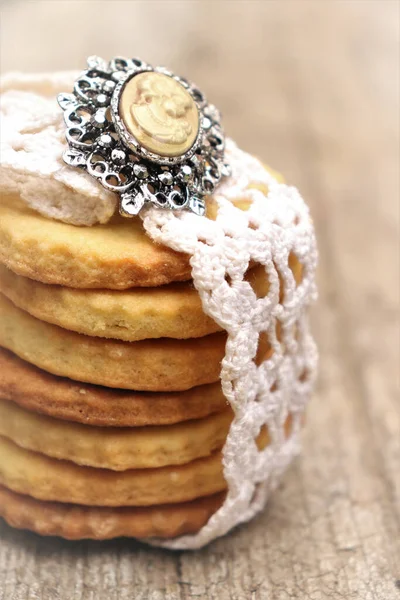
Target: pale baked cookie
{"x":149,"y":365}
{"x":45,"y":478}
{"x":172,"y":310}
{"x":113,"y":448}
{"x":63,"y":398}
{"x":75,"y":522}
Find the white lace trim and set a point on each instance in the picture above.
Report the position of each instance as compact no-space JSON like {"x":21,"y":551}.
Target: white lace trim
{"x":32,"y":142}
{"x":221,"y":252}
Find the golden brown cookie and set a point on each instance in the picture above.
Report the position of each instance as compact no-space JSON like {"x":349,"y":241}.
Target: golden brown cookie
{"x":117,"y":255}
{"x":148,"y":365}
{"x":114,"y":448}
{"x":63,"y":398}
{"x":45,"y":478}
{"x":75,"y":522}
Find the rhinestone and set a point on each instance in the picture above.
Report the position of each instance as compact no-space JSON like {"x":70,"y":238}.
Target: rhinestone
{"x":140,"y":171}
{"x":206,"y":123}
{"x":185,"y":173}
{"x":118,"y":156}
{"x":108,"y":86}
{"x":166,"y":178}
{"x":105,"y":140}
{"x":99,"y":119}
{"x":101,"y":100}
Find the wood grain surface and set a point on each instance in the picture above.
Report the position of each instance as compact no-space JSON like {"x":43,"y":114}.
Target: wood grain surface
{"x":312,"y":87}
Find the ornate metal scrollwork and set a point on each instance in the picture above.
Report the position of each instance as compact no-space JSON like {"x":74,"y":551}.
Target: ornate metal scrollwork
{"x":100,"y":142}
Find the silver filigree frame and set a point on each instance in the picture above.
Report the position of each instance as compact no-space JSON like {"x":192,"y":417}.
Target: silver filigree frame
{"x":100,"y":143}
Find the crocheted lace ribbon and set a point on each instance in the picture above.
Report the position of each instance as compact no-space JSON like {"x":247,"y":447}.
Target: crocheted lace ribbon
{"x":221,"y":251}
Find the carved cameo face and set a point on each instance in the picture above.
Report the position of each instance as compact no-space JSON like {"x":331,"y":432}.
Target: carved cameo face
{"x":159,"y":113}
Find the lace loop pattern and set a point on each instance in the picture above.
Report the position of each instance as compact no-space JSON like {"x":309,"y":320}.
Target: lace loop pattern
{"x":274,"y":227}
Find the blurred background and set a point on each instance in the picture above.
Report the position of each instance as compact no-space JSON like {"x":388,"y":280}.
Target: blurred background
{"x":312,"y":88}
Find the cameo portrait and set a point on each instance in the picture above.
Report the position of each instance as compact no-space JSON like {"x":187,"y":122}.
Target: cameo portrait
{"x":160,"y":113}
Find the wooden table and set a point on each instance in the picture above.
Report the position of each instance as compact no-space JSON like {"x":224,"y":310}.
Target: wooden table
{"x":312,"y":87}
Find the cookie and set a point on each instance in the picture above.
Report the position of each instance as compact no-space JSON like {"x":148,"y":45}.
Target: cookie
{"x":118,"y":255}
{"x":117,"y":449}
{"x":62,"y":398}
{"x":45,"y":478}
{"x":148,"y":365}
{"x":75,"y":522}
{"x":173,"y":311}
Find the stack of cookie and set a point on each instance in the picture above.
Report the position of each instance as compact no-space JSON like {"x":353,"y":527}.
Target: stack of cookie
{"x":112,"y":417}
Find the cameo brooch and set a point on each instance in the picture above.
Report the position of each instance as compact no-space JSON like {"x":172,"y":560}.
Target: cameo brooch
{"x":144,"y":133}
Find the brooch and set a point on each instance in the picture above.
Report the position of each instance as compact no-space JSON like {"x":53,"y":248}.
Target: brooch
{"x":144,"y":133}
